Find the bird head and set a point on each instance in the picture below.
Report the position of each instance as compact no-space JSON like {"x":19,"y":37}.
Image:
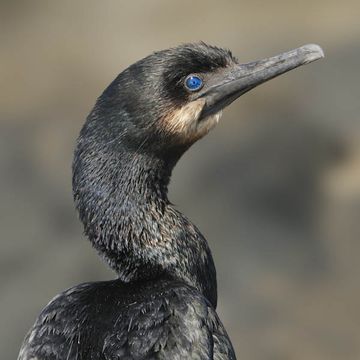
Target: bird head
{"x":165,"y":102}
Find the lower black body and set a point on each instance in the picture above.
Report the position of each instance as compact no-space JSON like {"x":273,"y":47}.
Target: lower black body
{"x":110,"y":320}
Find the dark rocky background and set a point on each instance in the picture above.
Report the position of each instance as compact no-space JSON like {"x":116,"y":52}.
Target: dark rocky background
{"x":275,"y":188}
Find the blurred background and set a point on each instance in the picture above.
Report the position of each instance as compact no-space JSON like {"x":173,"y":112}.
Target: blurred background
{"x":275,"y":187}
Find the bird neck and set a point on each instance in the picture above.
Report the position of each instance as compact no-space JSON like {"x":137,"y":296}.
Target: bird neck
{"x":122,"y":201}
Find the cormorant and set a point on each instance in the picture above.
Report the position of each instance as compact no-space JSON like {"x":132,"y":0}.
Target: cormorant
{"x":162,"y":305}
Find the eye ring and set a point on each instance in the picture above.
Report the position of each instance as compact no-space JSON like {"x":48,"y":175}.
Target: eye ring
{"x":193,"y":82}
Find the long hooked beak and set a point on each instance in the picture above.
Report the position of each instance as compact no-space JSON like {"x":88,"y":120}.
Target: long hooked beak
{"x":244,"y":77}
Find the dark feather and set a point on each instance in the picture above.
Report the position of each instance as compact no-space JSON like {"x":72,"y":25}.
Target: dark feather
{"x":111,"y":320}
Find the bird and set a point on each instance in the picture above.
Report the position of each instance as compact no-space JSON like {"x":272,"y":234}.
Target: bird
{"x":162,"y":303}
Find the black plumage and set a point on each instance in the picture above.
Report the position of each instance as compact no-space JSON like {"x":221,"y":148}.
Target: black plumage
{"x":162,"y":306}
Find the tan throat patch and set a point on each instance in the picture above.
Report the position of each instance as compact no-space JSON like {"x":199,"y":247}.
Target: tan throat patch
{"x":184,"y":122}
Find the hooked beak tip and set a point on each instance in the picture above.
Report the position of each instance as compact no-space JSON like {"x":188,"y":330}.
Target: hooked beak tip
{"x":312,"y":52}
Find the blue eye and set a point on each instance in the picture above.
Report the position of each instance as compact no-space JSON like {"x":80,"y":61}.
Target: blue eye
{"x":193,"y":83}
